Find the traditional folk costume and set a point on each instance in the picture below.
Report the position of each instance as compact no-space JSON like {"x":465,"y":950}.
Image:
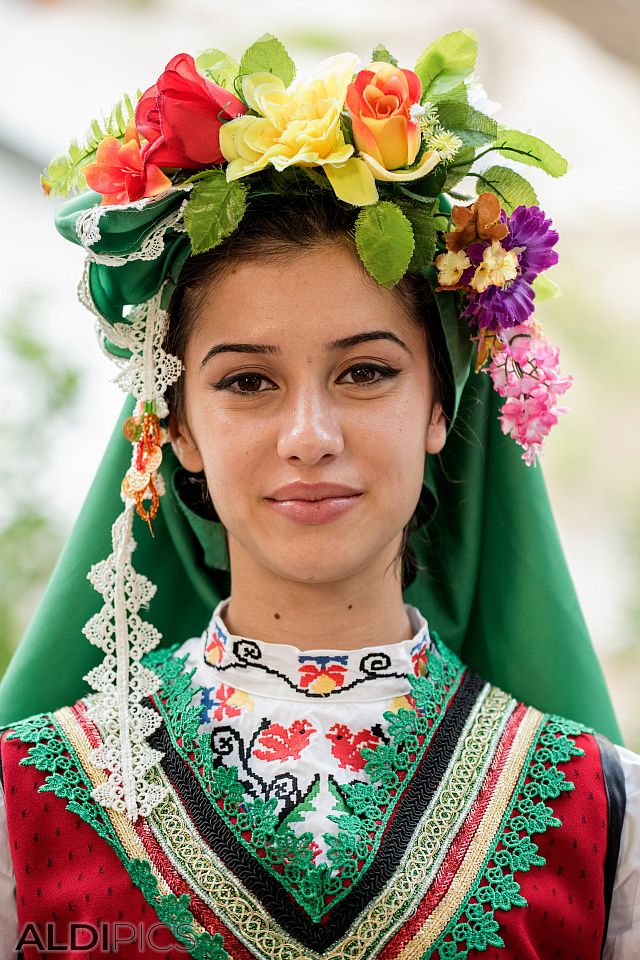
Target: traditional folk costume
{"x":221,"y":796}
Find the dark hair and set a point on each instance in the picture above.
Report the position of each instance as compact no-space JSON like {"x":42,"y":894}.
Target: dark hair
{"x":272,"y":229}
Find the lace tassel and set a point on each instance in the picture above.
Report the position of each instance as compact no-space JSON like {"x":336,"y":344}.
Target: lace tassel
{"x":121,"y":681}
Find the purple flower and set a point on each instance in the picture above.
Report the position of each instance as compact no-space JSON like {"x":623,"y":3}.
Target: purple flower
{"x":502,"y":306}
{"x":528,"y":228}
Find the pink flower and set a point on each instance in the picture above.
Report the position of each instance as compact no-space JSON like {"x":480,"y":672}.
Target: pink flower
{"x":524,"y":370}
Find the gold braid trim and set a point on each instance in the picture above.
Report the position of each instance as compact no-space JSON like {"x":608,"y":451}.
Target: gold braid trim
{"x":482,"y":840}
{"x":254,"y":925}
{"x":121,"y":824}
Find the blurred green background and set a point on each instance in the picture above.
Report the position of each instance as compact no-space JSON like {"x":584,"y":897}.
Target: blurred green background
{"x":567,"y":71}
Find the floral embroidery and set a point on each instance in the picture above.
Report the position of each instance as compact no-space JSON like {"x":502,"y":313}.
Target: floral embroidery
{"x":419,"y":658}
{"x":322,"y":674}
{"x":284,"y":743}
{"x":405,"y":702}
{"x":277,"y":670}
{"x":346,"y":746}
{"x":254,"y":822}
{"x":512,"y":848}
{"x":214,"y":649}
{"x":223,"y":701}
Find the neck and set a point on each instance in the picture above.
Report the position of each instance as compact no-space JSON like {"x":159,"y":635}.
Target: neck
{"x":363,"y":609}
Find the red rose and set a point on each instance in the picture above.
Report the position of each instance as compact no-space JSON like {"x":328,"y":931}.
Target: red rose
{"x":181,"y":116}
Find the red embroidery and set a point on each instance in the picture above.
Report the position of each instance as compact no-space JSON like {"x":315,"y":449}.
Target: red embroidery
{"x":333,"y":675}
{"x":346,"y":745}
{"x":419,"y":659}
{"x":284,"y":743}
{"x":214,"y":649}
{"x":224,"y":708}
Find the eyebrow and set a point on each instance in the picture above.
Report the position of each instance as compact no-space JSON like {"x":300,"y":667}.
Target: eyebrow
{"x":341,"y":344}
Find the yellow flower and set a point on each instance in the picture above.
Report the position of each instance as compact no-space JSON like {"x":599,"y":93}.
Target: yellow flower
{"x":497,"y":267}
{"x":299,"y":125}
{"x":241,"y":699}
{"x":451,"y":266}
{"x":429,"y":160}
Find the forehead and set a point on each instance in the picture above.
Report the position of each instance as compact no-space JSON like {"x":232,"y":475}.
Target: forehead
{"x":310,"y":296}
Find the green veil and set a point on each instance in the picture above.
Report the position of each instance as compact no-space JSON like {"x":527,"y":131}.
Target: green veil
{"x":492,"y":578}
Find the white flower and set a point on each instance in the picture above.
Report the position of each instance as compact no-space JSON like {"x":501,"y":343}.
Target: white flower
{"x":477,"y":97}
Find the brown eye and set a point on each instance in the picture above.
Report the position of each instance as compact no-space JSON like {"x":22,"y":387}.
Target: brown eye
{"x":363,"y":374}
{"x":369,"y":374}
{"x":243,"y":383}
{"x":249,"y":383}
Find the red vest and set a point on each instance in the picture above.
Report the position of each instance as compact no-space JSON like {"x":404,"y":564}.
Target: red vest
{"x":72,"y":888}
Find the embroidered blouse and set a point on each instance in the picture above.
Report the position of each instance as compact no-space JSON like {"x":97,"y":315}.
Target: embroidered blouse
{"x":307,"y":732}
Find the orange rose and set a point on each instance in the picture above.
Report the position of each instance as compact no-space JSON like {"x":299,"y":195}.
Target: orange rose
{"x":379,"y":101}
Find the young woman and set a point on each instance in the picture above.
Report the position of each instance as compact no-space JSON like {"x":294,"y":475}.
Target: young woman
{"x":311,"y":770}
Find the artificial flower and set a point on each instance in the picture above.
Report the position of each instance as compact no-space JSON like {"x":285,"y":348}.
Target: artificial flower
{"x":380,"y":100}
{"x":478,"y":99}
{"x":481,"y":220}
{"x":501,"y":307}
{"x":524,"y":370}
{"x":531,"y":233}
{"x":528,"y":420}
{"x":299,"y":125}
{"x":181,"y":116}
{"x":497,"y":267}
{"x":428,"y":161}
{"x":451,"y":267}
{"x":120,"y":174}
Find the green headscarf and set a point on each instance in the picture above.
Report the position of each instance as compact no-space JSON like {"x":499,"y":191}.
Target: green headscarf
{"x":493,"y":581}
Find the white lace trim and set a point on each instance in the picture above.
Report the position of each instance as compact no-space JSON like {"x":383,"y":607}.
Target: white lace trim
{"x":121,"y":681}
{"x":150,"y":370}
{"x":88,"y":231}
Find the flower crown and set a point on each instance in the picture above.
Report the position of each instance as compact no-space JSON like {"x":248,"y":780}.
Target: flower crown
{"x":388,"y":140}
{"x":173,"y":173}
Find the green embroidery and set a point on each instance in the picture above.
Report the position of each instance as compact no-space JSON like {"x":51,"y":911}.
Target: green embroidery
{"x":474,"y":926}
{"x":53,"y":753}
{"x":287,"y":856}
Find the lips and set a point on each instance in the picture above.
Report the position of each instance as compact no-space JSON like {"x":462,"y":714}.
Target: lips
{"x":312,"y":491}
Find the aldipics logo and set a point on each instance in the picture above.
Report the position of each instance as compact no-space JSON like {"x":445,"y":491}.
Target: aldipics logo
{"x":105,"y":937}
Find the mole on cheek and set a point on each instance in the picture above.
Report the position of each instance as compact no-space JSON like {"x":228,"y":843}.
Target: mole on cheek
{"x":277,"y":616}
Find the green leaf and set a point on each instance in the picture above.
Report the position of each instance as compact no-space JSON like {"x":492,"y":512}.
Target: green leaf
{"x":218,"y":67}
{"x":446,"y":62}
{"x":384,"y":240}
{"x":318,"y":177}
{"x":524,"y":148}
{"x":457,"y":171}
{"x":510,"y":188}
{"x":429,"y":186}
{"x":545,"y":289}
{"x":473,"y":127}
{"x":459,"y":93}
{"x":423,"y":224}
{"x":214,"y":210}
{"x":268,"y":55}
{"x":380,"y":54}
{"x":64,"y":173}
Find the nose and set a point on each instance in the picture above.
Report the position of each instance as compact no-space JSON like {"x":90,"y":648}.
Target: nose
{"x":310,"y":427}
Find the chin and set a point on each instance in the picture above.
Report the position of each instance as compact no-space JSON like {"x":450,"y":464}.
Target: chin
{"x":326,"y":562}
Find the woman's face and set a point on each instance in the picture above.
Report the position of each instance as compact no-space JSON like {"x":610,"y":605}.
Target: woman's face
{"x":307,"y":372}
